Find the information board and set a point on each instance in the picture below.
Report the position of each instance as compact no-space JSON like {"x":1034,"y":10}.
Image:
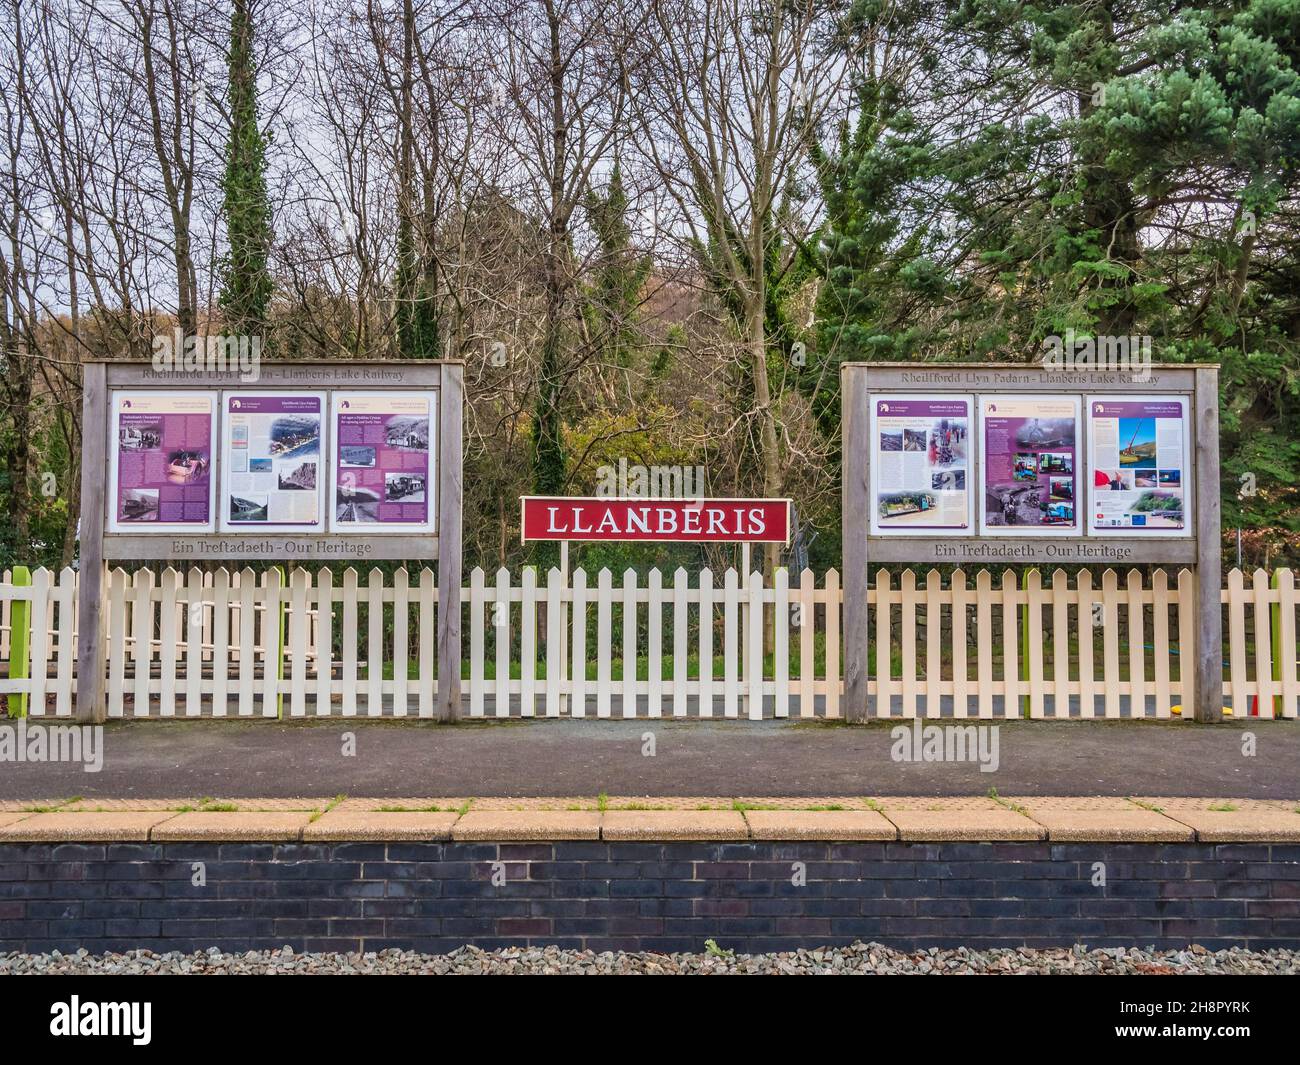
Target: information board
{"x":922,"y":461}
{"x":160,"y":458}
{"x":1141,"y":465}
{"x":1029,"y":460}
{"x":272,"y":470}
{"x":384,"y":461}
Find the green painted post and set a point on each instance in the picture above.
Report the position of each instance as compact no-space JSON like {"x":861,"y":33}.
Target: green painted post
{"x":20,"y":635}
{"x":1275,"y":626}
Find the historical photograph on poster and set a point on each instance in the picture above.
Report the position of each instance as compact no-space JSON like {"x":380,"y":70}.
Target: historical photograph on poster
{"x":1029,"y":463}
{"x":160,"y":457}
{"x":922,"y":448}
{"x":385,"y":461}
{"x":272,"y":476}
{"x":1140,"y":452}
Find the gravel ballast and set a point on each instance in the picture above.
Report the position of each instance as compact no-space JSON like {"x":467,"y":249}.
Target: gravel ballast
{"x":863,"y":959}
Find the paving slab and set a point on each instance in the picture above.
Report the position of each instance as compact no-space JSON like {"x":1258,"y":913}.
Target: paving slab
{"x":673,"y":825}
{"x":340,"y":824}
{"x":112,"y":827}
{"x":1110,"y":826}
{"x":974,"y":825}
{"x":821,"y":824}
{"x":523,"y":825}
{"x":1260,"y":825}
{"x":9,"y":817}
{"x":267,"y":826}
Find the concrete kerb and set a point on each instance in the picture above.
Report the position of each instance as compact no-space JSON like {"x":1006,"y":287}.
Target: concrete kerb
{"x":917,"y":819}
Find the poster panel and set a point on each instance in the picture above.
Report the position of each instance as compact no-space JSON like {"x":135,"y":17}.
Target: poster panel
{"x":160,"y":461}
{"x":1030,"y":465}
{"x":384,"y":475}
{"x":921,"y":479}
{"x":272,"y":473}
{"x":1140,"y":463}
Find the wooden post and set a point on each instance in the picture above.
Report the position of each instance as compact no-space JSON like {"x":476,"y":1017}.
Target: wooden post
{"x":451,"y":401}
{"x":856,"y":452}
{"x":90,"y":592}
{"x":1209,"y":550}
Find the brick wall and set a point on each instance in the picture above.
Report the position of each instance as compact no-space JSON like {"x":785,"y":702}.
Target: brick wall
{"x":653,"y":896}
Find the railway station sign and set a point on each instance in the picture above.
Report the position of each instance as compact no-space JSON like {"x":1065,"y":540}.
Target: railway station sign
{"x":735,"y":521}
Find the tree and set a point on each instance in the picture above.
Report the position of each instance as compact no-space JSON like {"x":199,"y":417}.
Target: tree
{"x":246,"y":284}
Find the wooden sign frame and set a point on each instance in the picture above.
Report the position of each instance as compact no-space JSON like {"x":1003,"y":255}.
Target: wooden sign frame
{"x":862,"y":382}
{"x":98,"y":546}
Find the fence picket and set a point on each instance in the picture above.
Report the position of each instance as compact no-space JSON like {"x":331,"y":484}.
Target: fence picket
{"x":196,"y":598}
{"x":1111,"y":681}
{"x":1087,"y":669}
{"x":142,"y":640}
{"x":118,"y":581}
{"x":629,"y":642}
{"x":501,"y":644}
{"x":272,"y":642}
{"x":1160,"y":640}
{"x":731,"y":646}
{"x":654,"y":644}
{"x":754,"y":648}
{"x":781,"y":645}
{"x":604,"y":641}
{"x":1060,"y":600}
{"x":66,"y":594}
{"x":834,"y":681}
{"x":1286,"y":662}
{"x":907,"y":640}
{"x":578,"y":704}
{"x":681,"y":634}
{"x":984,"y":642}
{"x":1240,"y":698}
{"x":167,"y":641}
{"x":884,"y":647}
{"x":1137,"y":681}
{"x":299,"y":586}
{"x":349,"y":637}
{"x":1010,"y":646}
{"x":1264,"y":688}
{"x":528,"y":643}
{"x":39,"y":646}
{"x":807,"y":644}
{"x":324,"y":642}
{"x":706,"y":642}
{"x":428,"y":682}
{"x":933,"y":644}
{"x":401,"y":640}
{"x":477,"y":597}
{"x":554,"y":624}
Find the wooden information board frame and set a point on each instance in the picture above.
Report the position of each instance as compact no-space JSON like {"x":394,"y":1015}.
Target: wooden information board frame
{"x":862,"y":382}
{"x":101,"y":378}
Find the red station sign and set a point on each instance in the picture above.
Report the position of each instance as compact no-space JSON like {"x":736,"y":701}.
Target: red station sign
{"x":736,"y":521}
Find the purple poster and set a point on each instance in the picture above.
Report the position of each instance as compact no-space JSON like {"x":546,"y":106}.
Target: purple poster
{"x":1030,"y":461}
{"x":161,"y":461}
{"x":271,"y":475}
{"x":920,"y":466}
{"x":1140,"y":462}
{"x":384,"y":469}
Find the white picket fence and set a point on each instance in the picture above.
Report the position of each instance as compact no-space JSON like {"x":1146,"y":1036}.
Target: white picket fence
{"x":241,"y":644}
